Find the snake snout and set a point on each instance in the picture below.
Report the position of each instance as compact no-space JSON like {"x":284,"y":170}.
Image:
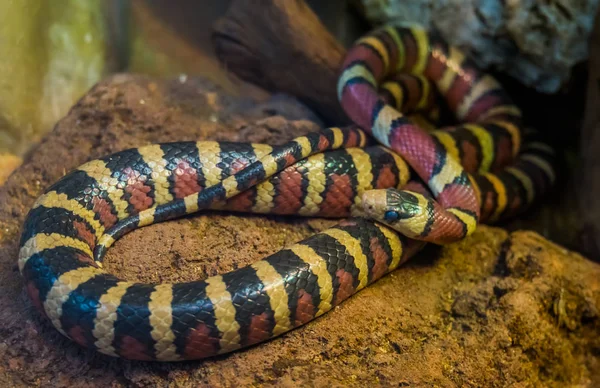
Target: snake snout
{"x":374,"y":203}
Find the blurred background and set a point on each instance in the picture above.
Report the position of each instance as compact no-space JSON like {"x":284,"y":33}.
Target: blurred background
{"x":52,"y":52}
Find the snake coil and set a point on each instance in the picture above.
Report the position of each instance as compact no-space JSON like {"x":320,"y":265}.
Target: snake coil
{"x":476,"y":171}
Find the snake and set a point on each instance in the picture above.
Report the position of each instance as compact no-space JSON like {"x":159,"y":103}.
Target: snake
{"x":475,"y":98}
{"x":335,"y":172}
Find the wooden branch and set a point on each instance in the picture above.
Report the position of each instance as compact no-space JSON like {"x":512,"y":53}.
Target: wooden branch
{"x":282,"y":46}
{"x":589,"y":189}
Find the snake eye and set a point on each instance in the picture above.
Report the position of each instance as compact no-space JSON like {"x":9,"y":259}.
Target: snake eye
{"x":391,"y":216}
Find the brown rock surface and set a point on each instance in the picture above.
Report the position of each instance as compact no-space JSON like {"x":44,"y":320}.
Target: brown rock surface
{"x":8,"y":163}
{"x":497,"y":309}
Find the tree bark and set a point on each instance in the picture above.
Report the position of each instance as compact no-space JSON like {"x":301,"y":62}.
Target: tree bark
{"x":282,"y":46}
{"x":590,"y":153}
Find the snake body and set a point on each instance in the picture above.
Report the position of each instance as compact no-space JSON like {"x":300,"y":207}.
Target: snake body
{"x":330,"y":173}
{"x":492,"y":118}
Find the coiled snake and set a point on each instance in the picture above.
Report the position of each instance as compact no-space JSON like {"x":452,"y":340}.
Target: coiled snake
{"x":330,"y":173}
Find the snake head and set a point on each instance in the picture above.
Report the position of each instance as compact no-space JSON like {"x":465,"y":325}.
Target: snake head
{"x":403,"y":211}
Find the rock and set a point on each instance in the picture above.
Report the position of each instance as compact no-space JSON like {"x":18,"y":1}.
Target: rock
{"x":8,"y":163}
{"x":496,"y":309}
{"x":536,"y":42}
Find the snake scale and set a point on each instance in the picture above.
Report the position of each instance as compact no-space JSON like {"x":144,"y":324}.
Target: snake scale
{"x":484,"y":169}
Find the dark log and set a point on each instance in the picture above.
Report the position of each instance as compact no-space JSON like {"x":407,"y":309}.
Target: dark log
{"x":590,"y":153}
{"x":282,"y":46}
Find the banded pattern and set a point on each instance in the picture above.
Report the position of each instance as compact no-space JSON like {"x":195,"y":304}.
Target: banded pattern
{"x":328,"y":174}
{"x":170,"y":322}
{"x":502,"y":195}
{"x":488,"y":140}
{"x":223,"y":178}
{"x":510,"y":191}
{"x":223,"y":313}
{"x":139,"y":321}
{"x":413,"y":94}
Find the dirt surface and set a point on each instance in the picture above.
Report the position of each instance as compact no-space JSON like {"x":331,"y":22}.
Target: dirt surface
{"x":497,"y":309}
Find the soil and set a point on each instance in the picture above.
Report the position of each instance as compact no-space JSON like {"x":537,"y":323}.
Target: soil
{"x":497,"y":309}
